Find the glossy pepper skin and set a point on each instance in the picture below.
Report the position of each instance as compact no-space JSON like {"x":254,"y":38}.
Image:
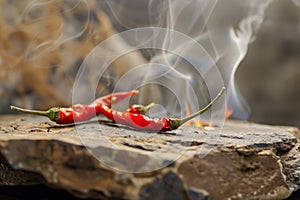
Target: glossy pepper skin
{"x":144,"y":123}
{"x":137,"y":121}
{"x":79,"y":112}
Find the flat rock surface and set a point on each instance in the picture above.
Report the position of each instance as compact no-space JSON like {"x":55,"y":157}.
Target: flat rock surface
{"x":103,"y":161}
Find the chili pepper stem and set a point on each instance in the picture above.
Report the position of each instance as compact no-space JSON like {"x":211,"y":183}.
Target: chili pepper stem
{"x":145,"y":109}
{"x":52,"y":113}
{"x":175,"y":123}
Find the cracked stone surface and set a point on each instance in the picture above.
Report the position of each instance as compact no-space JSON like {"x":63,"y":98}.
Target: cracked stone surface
{"x":106,"y":161}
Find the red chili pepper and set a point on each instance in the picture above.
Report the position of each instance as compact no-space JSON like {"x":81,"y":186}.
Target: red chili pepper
{"x":144,"y":123}
{"x":79,"y":112}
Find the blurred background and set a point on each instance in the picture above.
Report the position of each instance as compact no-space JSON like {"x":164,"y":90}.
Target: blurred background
{"x":269,"y":76}
{"x":43,"y":44}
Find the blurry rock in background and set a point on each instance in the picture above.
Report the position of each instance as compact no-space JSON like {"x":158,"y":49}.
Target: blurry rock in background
{"x":44,"y":43}
{"x":269,"y":76}
{"x":38,"y":64}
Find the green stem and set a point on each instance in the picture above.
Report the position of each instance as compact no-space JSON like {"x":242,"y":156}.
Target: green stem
{"x":35,"y":112}
{"x":52,"y":114}
{"x":208,"y":106}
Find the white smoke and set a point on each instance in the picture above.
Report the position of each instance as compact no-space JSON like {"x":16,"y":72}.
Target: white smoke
{"x":223,"y":28}
{"x":296,"y":2}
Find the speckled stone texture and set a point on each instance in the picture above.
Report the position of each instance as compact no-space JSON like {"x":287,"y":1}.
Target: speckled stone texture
{"x":106,"y":161}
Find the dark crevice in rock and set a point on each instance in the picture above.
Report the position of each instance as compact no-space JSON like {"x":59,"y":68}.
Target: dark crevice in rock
{"x":279,"y":148}
{"x":33,"y":192}
{"x":191,"y":143}
{"x":10,"y":176}
{"x":232,"y":136}
{"x":170,"y":187}
{"x":138,"y":146}
{"x":284,"y":147}
{"x":295,"y":195}
{"x":186,"y":143}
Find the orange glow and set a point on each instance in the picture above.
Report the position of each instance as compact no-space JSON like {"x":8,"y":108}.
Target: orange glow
{"x":228,"y":113}
{"x":203,"y":124}
{"x":196,"y":123}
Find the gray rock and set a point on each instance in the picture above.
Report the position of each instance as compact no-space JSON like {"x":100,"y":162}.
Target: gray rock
{"x":107,"y":161}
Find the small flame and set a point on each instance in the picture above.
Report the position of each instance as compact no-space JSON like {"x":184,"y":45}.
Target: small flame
{"x":228,"y":113}
{"x":203,"y":124}
{"x":198,"y":123}
{"x":195,"y":122}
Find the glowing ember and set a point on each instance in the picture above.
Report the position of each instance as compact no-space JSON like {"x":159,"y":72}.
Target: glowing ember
{"x":196,"y":122}
{"x":228,"y":113}
{"x":203,"y":124}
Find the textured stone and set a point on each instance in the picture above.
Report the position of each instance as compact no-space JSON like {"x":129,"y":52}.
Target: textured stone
{"x":103,"y":161}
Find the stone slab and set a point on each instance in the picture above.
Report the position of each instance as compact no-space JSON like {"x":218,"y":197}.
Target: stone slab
{"x":106,"y":161}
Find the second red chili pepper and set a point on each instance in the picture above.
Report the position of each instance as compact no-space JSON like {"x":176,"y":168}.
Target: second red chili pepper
{"x":144,"y":123}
